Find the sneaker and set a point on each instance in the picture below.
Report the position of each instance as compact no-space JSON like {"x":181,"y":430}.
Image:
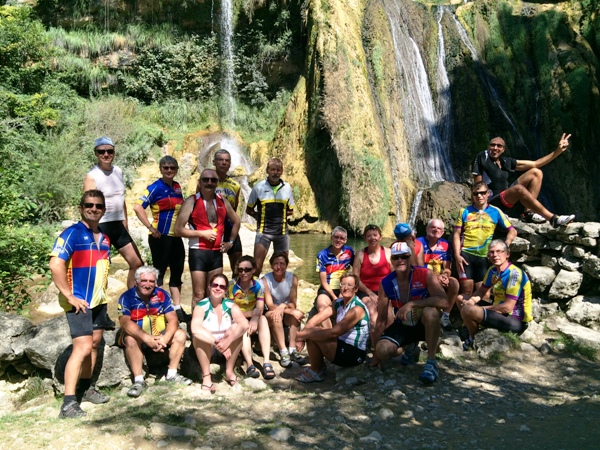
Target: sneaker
{"x":407,"y":357}
{"x":71,"y":410}
{"x":94,"y":396}
{"x":136,"y":389}
{"x":179,"y":379}
{"x":531,"y":217}
{"x":445,"y":322}
{"x":430,"y":372}
{"x":559,"y":221}
{"x":468,"y":344}
{"x":463,"y":333}
{"x":285,"y":360}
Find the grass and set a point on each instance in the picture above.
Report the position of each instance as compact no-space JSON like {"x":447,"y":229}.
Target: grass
{"x":569,"y":345}
{"x":33,"y":389}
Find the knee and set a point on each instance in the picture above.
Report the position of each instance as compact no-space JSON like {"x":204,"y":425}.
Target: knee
{"x":467,"y":311}
{"x":130,"y":342}
{"x":430,"y":315}
{"x":537,"y":173}
{"x":520,"y":190}
{"x":179,"y":337}
{"x":323,"y":301}
{"x":385,"y":349}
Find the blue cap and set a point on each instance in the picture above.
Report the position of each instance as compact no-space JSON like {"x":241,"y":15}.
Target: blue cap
{"x":402,"y":231}
{"x":103,"y":141}
{"x":400,"y":248}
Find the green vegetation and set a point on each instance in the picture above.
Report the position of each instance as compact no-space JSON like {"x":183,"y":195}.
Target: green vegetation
{"x":573,"y":347}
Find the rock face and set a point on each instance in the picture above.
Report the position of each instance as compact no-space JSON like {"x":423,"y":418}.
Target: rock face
{"x":442,"y":201}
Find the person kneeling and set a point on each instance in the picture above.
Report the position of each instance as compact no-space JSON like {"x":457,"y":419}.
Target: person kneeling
{"x":511,"y":288}
{"x":345,"y":343}
{"x":149,"y":323}
{"x":219,"y":324}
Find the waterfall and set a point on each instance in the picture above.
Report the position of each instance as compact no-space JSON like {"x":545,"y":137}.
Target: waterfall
{"x":415,"y":209}
{"x":482,"y":73}
{"x":228,"y":102}
{"x":444,"y":103}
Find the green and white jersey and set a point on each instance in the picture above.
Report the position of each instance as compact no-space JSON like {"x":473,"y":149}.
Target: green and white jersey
{"x":211,"y":321}
{"x":357,"y":335}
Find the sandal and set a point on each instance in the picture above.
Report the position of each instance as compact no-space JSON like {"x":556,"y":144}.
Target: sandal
{"x":268,"y":372}
{"x":308,"y":375}
{"x":232,"y":382}
{"x":212,"y":389}
{"x":252,"y":372}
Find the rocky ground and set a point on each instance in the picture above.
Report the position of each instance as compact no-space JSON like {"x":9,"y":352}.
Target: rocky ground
{"x":520,"y":398}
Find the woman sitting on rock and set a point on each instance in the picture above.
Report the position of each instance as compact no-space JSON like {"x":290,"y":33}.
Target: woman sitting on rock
{"x":345,"y":343}
{"x":371,"y":265}
{"x":218,"y":323}
{"x":248,"y":293}
{"x":281,"y":291}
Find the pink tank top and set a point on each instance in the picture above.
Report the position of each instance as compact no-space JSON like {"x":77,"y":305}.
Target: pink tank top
{"x":372,"y":274}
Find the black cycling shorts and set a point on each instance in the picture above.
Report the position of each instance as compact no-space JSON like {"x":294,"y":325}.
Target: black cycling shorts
{"x":84,"y":324}
{"x":347,"y":355}
{"x":205,"y":260}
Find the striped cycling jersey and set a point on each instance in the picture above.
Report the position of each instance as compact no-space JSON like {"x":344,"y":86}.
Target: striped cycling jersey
{"x":417,"y":281}
{"x":165,"y":202}
{"x":511,"y":284}
{"x":87,"y":264}
{"x":435,"y":258}
{"x":272,"y":204}
{"x":229,"y":189}
{"x":478,"y":228}
{"x":150,"y":315}
{"x":246,"y":300}
{"x":335,"y":265}
{"x":357,"y":335}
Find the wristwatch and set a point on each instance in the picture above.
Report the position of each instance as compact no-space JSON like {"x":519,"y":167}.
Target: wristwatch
{"x":231,"y":242}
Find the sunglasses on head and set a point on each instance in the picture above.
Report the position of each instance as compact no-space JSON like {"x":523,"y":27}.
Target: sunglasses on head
{"x":245,"y":269}
{"x":209,"y":180}
{"x":218,"y":286}
{"x":397,"y":257}
{"x":110,"y":151}
{"x":91,"y":205}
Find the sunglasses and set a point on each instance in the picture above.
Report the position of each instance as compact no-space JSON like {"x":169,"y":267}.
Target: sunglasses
{"x":497,"y":145}
{"x":397,"y":257}
{"x":209,"y":180}
{"x":91,"y":205}
{"x":218,"y":286}
{"x":102,"y":152}
{"x":245,"y":269}
{"x":169,"y":168}
{"x":479,"y":193}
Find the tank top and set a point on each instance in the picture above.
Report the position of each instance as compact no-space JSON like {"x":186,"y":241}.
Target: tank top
{"x":357,"y":335}
{"x":280,"y":291}
{"x":111,"y":184}
{"x":211,"y":321}
{"x":372,"y":274}
{"x":199,"y":221}
{"x":418,"y":291}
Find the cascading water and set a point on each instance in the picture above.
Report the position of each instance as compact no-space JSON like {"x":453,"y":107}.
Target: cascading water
{"x":482,"y":73}
{"x":228,"y":101}
{"x":428,"y":127}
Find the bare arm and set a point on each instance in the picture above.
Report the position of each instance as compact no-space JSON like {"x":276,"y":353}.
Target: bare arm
{"x":184,"y":215}
{"x":235,"y":220}
{"x":89,"y":183}
{"x":200,"y":333}
{"x":563,"y":145}
{"x":140,"y":212}
{"x":325,"y":285}
{"x":323,"y":334}
{"x":460,"y":261}
{"x":511,"y":235}
{"x":382,"y":313}
{"x":251,"y":212}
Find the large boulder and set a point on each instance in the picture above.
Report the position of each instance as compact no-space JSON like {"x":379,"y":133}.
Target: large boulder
{"x":442,"y":201}
{"x":14,"y":334}
{"x":580,"y":334}
{"x":565,"y":285}
{"x":541,"y":277}
{"x":48,"y":342}
{"x":585,"y":311}
{"x":490,"y":342}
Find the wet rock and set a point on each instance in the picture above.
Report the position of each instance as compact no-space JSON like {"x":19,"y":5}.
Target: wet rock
{"x":565,"y":285}
{"x":585,"y":311}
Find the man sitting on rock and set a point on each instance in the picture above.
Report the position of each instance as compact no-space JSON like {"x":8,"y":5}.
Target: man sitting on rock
{"x":416,"y":297}
{"x":511,"y":310}
{"x":494,"y":169}
{"x":149,"y":323}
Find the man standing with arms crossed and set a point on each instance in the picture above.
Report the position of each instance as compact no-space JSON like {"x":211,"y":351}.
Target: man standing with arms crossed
{"x":271,"y":203}
{"x":79,"y":264}
{"x":229,"y":189}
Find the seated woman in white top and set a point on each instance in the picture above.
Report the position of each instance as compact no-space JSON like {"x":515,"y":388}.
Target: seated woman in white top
{"x":217,"y":322}
{"x":281,"y":291}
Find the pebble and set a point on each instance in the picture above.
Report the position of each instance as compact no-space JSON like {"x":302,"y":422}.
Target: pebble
{"x":524,"y":428}
{"x":159,"y":430}
{"x":249,"y":444}
{"x":373,"y":437}
{"x":281,"y":434}
{"x":255,"y":384}
{"x":385,"y":413}
{"x":352,"y":381}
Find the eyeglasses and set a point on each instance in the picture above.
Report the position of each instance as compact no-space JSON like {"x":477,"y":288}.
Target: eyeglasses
{"x":102,"y":152}
{"x":91,"y":205}
{"x":397,"y":257}
{"x":169,"y":168}
{"x":209,"y":180}
{"x":496,"y":145}
{"x":339,"y":238}
{"x":218,"y":286}
{"x":245,"y":269}
{"x":494,"y":252}
{"x":479,"y":193}
{"x":350,"y":286}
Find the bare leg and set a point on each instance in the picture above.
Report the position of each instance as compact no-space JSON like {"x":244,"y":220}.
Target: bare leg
{"x":472,"y":316}
{"x":177,"y":348}
{"x":323,"y":301}
{"x":431,"y":321}
{"x":277,"y":331}
{"x":260,"y":253}
{"x":247,"y":350}
{"x":131,"y":254}
{"x":204,"y":352}
{"x":532,"y":181}
{"x":451,"y":293}
{"x":134,"y":355}
{"x":519,"y":193}
{"x":385,"y":350}
{"x":466,"y":287}
{"x":264,"y":338}
{"x":233,"y":263}
{"x":82,"y":347}
{"x":175,"y":294}
{"x":235,"y":348}
{"x":294,"y":325}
